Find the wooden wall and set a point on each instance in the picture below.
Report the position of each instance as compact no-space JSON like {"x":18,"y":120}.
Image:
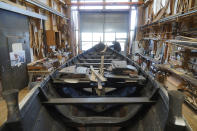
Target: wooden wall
{"x":58,"y":29}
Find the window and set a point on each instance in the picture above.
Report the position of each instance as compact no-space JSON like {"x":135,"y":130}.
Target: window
{"x":92,"y":1}
{"x":74,"y":7}
{"x":75,"y":19}
{"x":121,"y":35}
{"x":121,"y":38}
{"x":133,"y":19}
{"x":74,"y":1}
{"x":117,"y":7}
{"x":122,"y":44}
{"x":108,"y":43}
{"x":95,"y":43}
{"x":90,"y":39}
{"x":86,"y":45}
{"x":132,"y":22}
{"x":110,"y":36}
{"x":91,"y":7}
{"x":131,"y":34}
{"x":86,"y":36}
{"x":98,"y":37}
{"x":101,"y":7}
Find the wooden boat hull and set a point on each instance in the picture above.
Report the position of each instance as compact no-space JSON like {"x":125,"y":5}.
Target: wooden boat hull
{"x":132,"y":106}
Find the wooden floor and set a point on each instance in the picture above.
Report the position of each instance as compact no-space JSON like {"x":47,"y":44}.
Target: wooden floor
{"x":189,"y":115}
{"x":3,"y":105}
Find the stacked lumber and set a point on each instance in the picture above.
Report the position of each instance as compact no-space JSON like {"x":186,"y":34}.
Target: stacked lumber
{"x":43,"y":65}
{"x":191,"y":98}
{"x":158,"y":9}
{"x":36,"y":40}
{"x":184,"y":5}
{"x":173,"y":83}
{"x":168,"y":36}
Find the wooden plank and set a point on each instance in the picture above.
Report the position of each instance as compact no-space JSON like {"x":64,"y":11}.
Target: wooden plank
{"x":15,"y":9}
{"x":183,"y":76}
{"x":162,"y":12}
{"x":3,"y":105}
{"x":171,"y":18}
{"x":98,"y":76}
{"x":50,"y":34}
{"x":184,"y":43}
{"x":36,"y":68}
{"x":98,"y":59}
{"x":35,"y":62}
{"x":106,"y":3}
{"x":92,"y":63}
{"x":45,"y":7}
{"x":190,"y":116}
{"x":175,"y":82}
{"x":39,"y":72}
{"x":14,"y":4}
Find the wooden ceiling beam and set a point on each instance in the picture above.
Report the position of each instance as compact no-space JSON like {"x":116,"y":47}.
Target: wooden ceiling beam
{"x":106,"y":4}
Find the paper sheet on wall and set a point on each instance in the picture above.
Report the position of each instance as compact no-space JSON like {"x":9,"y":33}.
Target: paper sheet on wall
{"x":17,"y":56}
{"x":17,"y":47}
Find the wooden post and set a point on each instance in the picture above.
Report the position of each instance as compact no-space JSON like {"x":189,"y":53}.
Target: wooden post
{"x":186,"y":59}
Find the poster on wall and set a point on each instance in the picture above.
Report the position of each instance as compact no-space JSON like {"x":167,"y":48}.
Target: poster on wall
{"x":17,"y":56}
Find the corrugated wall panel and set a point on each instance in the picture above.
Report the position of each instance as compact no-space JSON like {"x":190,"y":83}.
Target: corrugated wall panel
{"x":104,"y":22}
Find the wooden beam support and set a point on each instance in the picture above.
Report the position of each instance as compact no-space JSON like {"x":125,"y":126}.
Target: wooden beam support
{"x":18,"y":10}
{"x":45,"y":7}
{"x":98,"y":76}
{"x":106,"y":4}
{"x":100,"y":100}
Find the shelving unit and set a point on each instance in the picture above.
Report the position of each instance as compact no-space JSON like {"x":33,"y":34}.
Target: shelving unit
{"x":171,"y":34}
{"x":185,"y":44}
{"x":171,"y":18}
{"x":47,"y":8}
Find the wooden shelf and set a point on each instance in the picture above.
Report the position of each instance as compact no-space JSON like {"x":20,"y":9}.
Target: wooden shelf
{"x":152,"y":38}
{"x":148,"y":58}
{"x":186,"y":44}
{"x":15,"y":9}
{"x":181,"y":75}
{"x":46,"y":7}
{"x":171,"y":18}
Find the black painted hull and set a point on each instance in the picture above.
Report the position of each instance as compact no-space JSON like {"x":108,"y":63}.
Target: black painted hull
{"x":157,"y":116}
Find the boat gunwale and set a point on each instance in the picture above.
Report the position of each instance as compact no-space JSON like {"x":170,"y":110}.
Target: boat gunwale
{"x":35,"y":90}
{"x":25,"y":104}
